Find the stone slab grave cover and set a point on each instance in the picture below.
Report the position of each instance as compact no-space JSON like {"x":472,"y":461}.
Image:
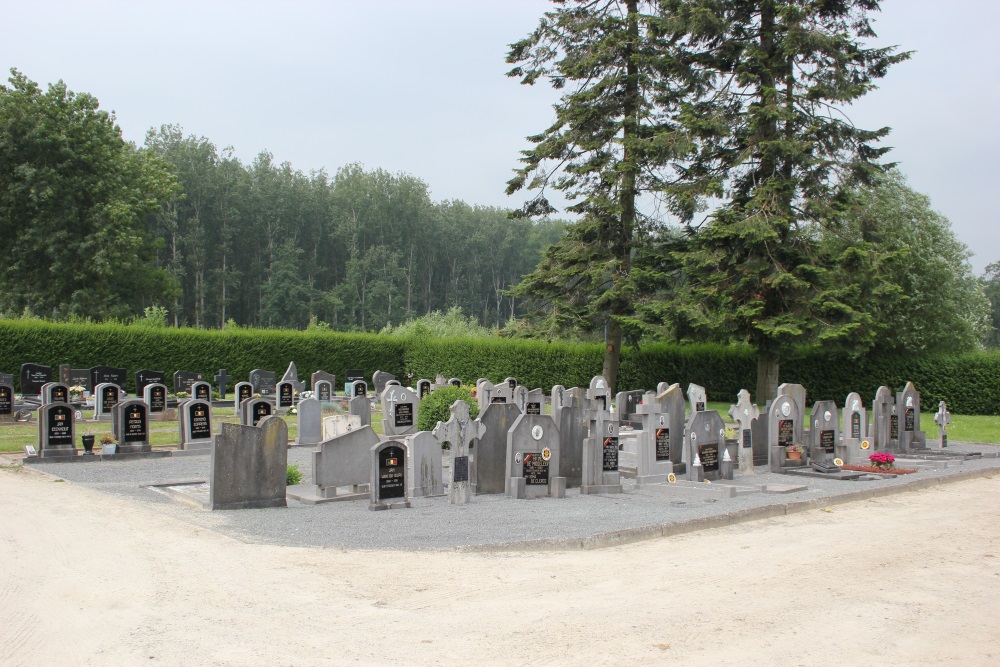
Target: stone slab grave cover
{"x":249,"y":466}
{"x":323,"y":390}
{"x":7,"y":403}
{"x":183,"y":381}
{"x":55,"y":392}
{"x":75,"y":377}
{"x":908,"y":407}
{"x":784,"y":429}
{"x":388,"y":476}
{"x":424,"y":467}
{"x":148,"y":377}
{"x":460,"y":431}
{"x":600,"y":458}
{"x":201,"y":390}
{"x":424,"y":388}
{"x":379,"y":380}
{"x":32,"y":377}
{"x":252,"y":411}
{"x":56,"y":430}
{"x":130,"y":426}
{"x":743,"y":413}
{"x":341,"y":468}
{"x":824,"y":436}
{"x":360,"y":407}
{"x":489,"y":466}
{"x":155,"y":396}
{"x":284,"y":396}
{"x":108,"y":374}
{"x":660,"y":435}
{"x":399,"y":411}
{"x":705,"y":442}
{"x":292,"y":375}
{"x":882,"y":417}
{"x":532,"y":459}
{"x":942,"y":418}
{"x":854,"y":431}
{"x":336,"y":425}
{"x":264,"y":382}
{"x":107,"y":394}
{"x":310,"y":420}
{"x":195,"y":424}
{"x":242,"y":391}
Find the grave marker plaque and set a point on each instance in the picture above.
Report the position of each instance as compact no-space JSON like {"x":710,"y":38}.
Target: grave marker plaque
{"x":323,"y":390}
{"x":709,"y":455}
{"x":184,"y":379}
{"x":391,"y":473}
{"x":286,"y":394}
{"x":535,"y":469}
{"x":663,"y":444}
{"x":146,"y":377}
{"x":201,"y":391}
{"x":747,"y":438}
{"x":894,"y":427}
{"x":827,"y":440}
{"x":856,"y":425}
{"x":498,"y":399}
{"x":533,"y":408}
{"x":610,"y":463}
{"x":786,"y":432}
{"x":200,"y":420}
{"x":403,"y":415}
{"x":908,"y":420}
{"x":461,"y":466}
{"x":260,"y":410}
{"x":58,"y":425}
{"x":135,"y":427}
{"x":244,"y":390}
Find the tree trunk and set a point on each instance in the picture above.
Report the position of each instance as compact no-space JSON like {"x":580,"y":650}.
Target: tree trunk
{"x":612,"y":354}
{"x":767,"y":377}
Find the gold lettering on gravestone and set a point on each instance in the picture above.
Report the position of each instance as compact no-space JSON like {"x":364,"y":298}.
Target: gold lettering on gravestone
{"x":535,"y":469}
{"x":663,"y":444}
{"x":610,"y":454}
{"x":909,"y":420}
{"x":709,"y":455}
{"x":856,"y":425}
{"x":826,"y":440}
{"x":786,"y":432}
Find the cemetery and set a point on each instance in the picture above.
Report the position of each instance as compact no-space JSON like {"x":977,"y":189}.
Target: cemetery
{"x":564,"y":467}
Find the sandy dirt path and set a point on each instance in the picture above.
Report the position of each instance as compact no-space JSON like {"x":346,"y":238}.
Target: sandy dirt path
{"x":911,"y":579}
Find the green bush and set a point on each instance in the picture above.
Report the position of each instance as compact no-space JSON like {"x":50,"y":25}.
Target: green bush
{"x":436,"y":406}
{"x":293,"y":475}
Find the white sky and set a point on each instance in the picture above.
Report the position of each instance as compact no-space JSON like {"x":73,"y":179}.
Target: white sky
{"x":419,"y":87}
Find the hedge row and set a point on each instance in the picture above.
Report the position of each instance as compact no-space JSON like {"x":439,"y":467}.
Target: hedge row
{"x":970,"y":383}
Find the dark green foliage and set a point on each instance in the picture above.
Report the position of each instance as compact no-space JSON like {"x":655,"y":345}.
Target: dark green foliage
{"x":991,"y":288}
{"x":436,"y":406}
{"x":293,"y":475}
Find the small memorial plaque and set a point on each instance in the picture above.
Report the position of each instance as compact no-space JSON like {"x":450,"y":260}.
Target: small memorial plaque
{"x":856,"y":425}
{"x":135,"y":424}
{"x":663,"y":444}
{"x":201,"y":425}
{"x":786,"y":432}
{"x":403,"y":415}
{"x":323,"y":391}
{"x":709,"y":455}
{"x":533,"y":409}
{"x":747,"y":439}
{"x":944,"y":439}
{"x":461,"y":467}
{"x":498,"y":399}
{"x":261,"y":409}
{"x":391,"y":480}
{"x":157,"y":399}
{"x":908,"y":420}
{"x":59,"y":426}
{"x":893,"y":427}
{"x":699,"y":406}
{"x":826,"y":440}
{"x":610,"y":454}
{"x":535,"y":469}
{"x":360,"y":389}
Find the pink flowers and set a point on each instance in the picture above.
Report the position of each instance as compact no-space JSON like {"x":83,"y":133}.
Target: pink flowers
{"x":882,"y":460}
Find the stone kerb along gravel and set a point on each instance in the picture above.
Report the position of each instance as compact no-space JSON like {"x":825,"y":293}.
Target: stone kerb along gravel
{"x":494,"y":522}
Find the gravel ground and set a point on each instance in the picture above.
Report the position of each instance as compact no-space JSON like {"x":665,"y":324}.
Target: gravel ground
{"x":488,"y":522}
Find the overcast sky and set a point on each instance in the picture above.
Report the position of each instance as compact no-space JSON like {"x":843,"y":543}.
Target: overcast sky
{"x":418,"y":86}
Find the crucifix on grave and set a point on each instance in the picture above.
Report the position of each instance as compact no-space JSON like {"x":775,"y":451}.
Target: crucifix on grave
{"x":459,"y":431}
{"x":942,"y":418}
{"x":222,"y":378}
{"x":744,"y":412}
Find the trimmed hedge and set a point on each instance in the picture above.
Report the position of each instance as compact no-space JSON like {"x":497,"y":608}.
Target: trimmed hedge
{"x":970,"y":383}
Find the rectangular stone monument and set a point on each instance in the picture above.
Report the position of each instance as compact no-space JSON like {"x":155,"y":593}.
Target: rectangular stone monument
{"x":75,"y":377}
{"x":784,"y":430}
{"x":201,"y":391}
{"x":7,"y":403}
{"x":600,"y":460}
{"x":147,"y":377}
{"x":424,"y":469}
{"x":388,"y":476}
{"x":55,"y":392}
{"x":108,"y":374}
{"x":155,"y":396}
{"x":823,"y":436}
{"x":56,"y":430}
{"x":489,"y":455}
{"x":285,"y":396}
{"x":341,"y":468}
{"x":195,"y":423}
{"x":323,"y":391}
{"x":264,"y":382}
{"x":706,"y":446}
{"x":399,"y":411}
{"x":310,"y":420}
{"x":532,"y":459}
{"x":107,"y":394}
{"x":854,"y":431}
{"x":33,"y":376}
{"x":249,"y":466}
{"x":360,"y":407}
{"x":183,"y":381}
{"x":130,"y":426}
{"x":255,"y":409}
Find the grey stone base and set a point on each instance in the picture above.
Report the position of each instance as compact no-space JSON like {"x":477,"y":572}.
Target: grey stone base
{"x":310,"y":494}
{"x":389,"y":505}
{"x":134,"y":449}
{"x":205,"y":451}
{"x":844,"y":475}
{"x":58,"y":452}
{"x":89,"y":458}
{"x":600,"y":488}
{"x":651,"y":479}
{"x":250,"y":505}
{"x":689,"y":489}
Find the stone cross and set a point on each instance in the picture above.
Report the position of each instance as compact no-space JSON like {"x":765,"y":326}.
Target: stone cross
{"x":942,"y":418}
{"x":744,"y":412}
{"x":460,"y":430}
{"x":223,"y":378}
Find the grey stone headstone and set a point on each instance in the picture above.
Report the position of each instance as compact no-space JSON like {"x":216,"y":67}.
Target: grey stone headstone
{"x":600,"y":459}
{"x":424,"y":467}
{"x":460,"y":431}
{"x":796,"y":392}
{"x":534,"y":403}
{"x":531,"y":467}
{"x":130,"y":426}
{"x":264,"y":382}
{"x":253,"y":410}
{"x":557,"y":399}
{"x":670,"y":403}
{"x":201,"y":390}
{"x":743,"y":413}
{"x":55,"y":392}
{"x":249,"y":466}
{"x":854,"y":430}
{"x":759,"y":435}
{"x":599,"y":394}
{"x":908,"y":409}
{"x":656,"y":440}
{"x":388,"y":486}
{"x":155,"y":396}
{"x":399,"y":410}
{"x":484,"y":394}
{"x":284,"y":396}
{"x":310,"y":420}
{"x":343,"y":462}
{"x":627,"y":404}
{"x":241,"y":392}
{"x":882,"y":409}
{"x":361,"y":408}
{"x":574,"y":428}
{"x":195,"y":423}
{"x":705,"y":441}
{"x":784,"y":427}
{"x":56,"y":430}
{"x":323,"y":391}
{"x":292,"y":375}
{"x":942,"y":418}
{"x":379,"y":379}
{"x":490,"y":452}
{"x":319,"y":376}
{"x":824,"y":435}
{"x":697,"y":398}
{"x":107,"y":394}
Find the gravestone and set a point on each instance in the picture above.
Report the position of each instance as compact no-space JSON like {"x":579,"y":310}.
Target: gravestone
{"x":853,"y":431}
{"x":797,"y":393}
{"x":242,"y":391}
{"x":201,"y":391}
{"x":55,"y":392}
{"x":760,"y":435}
{"x":352,"y":375}
{"x":744,"y":412}
{"x":484,"y":394}
{"x":697,"y":397}
{"x":249,"y":466}
{"x":255,"y":409}
{"x":341,"y":468}
{"x":33,"y":376}
{"x":388,"y":476}
{"x":108,"y":374}
{"x":882,"y":408}
{"x":706,"y":441}
{"x":130,"y":426}
{"x":155,"y":396}
{"x":107,"y":395}
{"x":910,"y":435}
{"x":653,"y":464}
{"x":574,"y":428}
{"x":823,"y":434}
{"x":460,"y":431}
{"x":534,"y":403}
{"x":399,"y":411}
{"x":379,"y":380}
{"x":336,"y":425}
{"x":501,"y":393}
{"x":557,"y":399}
{"x":221,"y":380}
{"x":292,"y":375}
{"x":7,"y":378}
{"x":147,"y":377}
{"x":627,"y":403}
{"x":670,"y":404}
{"x":285,"y":396}
{"x":7,"y":403}
{"x":310,"y":420}
{"x":195,"y":424}
{"x":532,"y":459}
{"x":323,"y":376}
{"x":784,"y":429}
{"x":360,"y":407}
{"x":357,"y":388}
{"x":455,"y":382}
{"x":942,"y":418}
{"x":599,"y":395}
{"x":183,"y":381}
{"x":75,"y":377}
{"x":489,"y":457}
{"x":600,"y":460}
{"x":520,"y":398}
{"x":264,"y":382}
{"x":56,"y":430}
{"x":423,"y":388}
{"x":424,"y":470}
{"x":323,"y":391}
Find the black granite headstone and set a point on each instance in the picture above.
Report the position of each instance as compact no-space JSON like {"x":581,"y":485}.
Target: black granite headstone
{"x":145,"y":377}
{"x":535,"y":469}
{"x":110,"y":374}
{"x":184,"y":379}
{"x":201,"y":425}
{"x":33,"y":376}
{"x":391,"y":473}
{"x":610,"y":463}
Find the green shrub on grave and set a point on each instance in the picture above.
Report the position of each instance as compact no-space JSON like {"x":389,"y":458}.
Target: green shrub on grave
{"x":293,"y":475}
{"x":436,"y":406}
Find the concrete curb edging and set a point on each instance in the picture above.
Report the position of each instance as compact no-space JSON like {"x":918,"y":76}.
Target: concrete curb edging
{"x":632,"y":535}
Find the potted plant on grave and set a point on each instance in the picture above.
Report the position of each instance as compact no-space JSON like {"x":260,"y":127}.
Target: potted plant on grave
{"x":794,"y":452}
{"x":76,"y":391}
{"x":108,"y":444}
{"x":882,"y":460}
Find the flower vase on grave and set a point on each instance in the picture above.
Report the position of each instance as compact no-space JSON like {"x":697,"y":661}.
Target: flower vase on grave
{"x":88,"y":444}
